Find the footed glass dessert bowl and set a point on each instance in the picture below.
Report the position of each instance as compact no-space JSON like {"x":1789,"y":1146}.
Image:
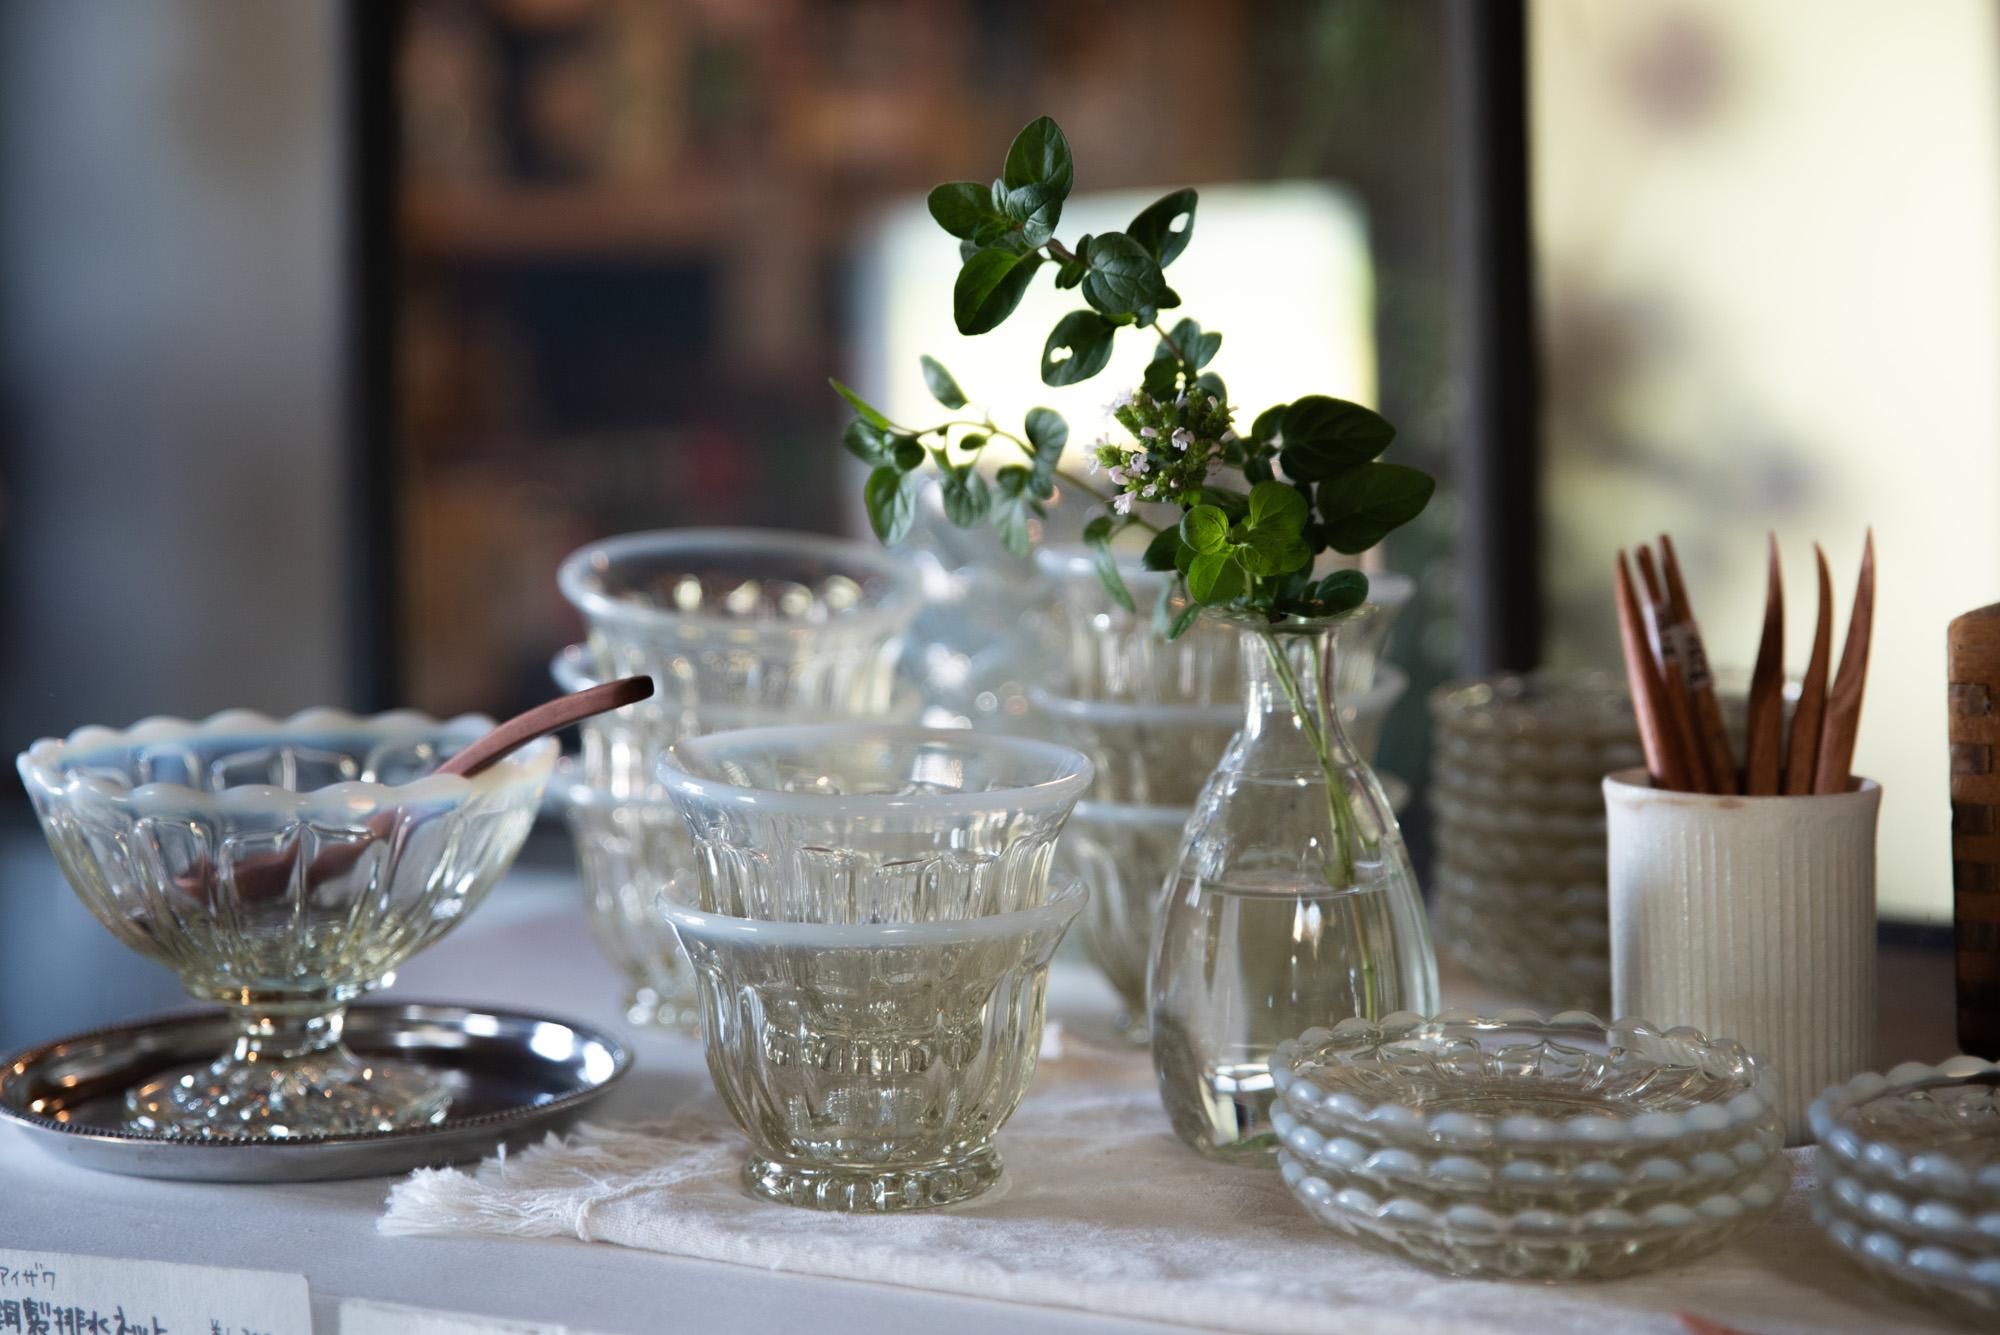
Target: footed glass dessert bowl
{"x":282,"y":868}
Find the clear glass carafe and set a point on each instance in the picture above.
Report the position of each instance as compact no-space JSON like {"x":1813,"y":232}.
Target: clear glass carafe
{"x":1292,"y":904}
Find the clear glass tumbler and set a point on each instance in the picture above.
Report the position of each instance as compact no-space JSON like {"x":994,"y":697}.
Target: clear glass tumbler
{"x":1293,"y":903}
{"x":283,"y":868}
{"x":861,"y":823}
{"x":736,"y":627}
{"x":871,"y":1063}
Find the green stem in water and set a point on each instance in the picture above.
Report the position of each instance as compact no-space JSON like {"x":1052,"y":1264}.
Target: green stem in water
{"x":1318,"y":728}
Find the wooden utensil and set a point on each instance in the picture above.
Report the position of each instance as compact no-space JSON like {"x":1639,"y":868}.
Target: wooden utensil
{"x":1764,"y":747}
{"x":1662,"y":634}
{"x":1842,"y":721}
{"x":1972,"y":650}
{"x":266,"y":875}
{"x":1718,"y":762}
{"x":1802,"y":747}
{"x":1663,"y":759}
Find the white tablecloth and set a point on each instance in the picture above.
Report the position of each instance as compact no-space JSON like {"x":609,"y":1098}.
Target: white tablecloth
{"x":528,"y":949}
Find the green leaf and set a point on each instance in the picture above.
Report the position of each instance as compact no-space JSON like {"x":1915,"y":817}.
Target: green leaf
{"x":1034,"y":210}
{"x":1212,"y":382}
{"x":1097,"y":534}
{"x":1324,"y":435}
{"x":1214,"y":577}
{"x":989,"y":287}
{"x":943,"y":388}
{"x":1278,"y":506}
{"x":906,"y":452}
{"x":1078,"y":348}
{"x":1123,"y":275}
{"x":1363,"y":505}
{"x":1161,"y":379}
{"x":869,"y":413}
{"x":961,"y":207}
{"x":972,"y":440}
{"x":1012,"y":507}
{"x":1206,"y":348}
{"x":1341,"y":591}
{"x":966,"y":498}
{"x":1265,"y":428}
{"x":1205,"y":528}
{"x":1047,"y":432}
{"x":865,"y":443}
{"x":892,"y":503}
{"x":1040,"y":156}
{"x":1165,"y":226}
{"x":1268,"y":552}
{"x":1160,"y":551}
{"x":1070,"y":272}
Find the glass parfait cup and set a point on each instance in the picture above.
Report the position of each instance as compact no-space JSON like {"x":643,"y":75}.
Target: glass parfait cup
{"x":870,"y":928}
{"x":1293,"y":903}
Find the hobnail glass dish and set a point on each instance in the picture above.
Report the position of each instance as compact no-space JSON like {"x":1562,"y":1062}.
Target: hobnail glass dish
{"x":871,"y":1063}
{"x":1545,"y":937}
{"x":1525,"y":1147}
{"x":861,"y":823}
{"x":1909,"y":1173}
{"x":282,"y":868}
{"x":1119,"y":655}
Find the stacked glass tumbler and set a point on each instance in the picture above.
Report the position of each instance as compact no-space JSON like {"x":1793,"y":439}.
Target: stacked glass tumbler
{"x":870,"y":925}
{"x":736,"y":627}
{"x":1155,"y":716}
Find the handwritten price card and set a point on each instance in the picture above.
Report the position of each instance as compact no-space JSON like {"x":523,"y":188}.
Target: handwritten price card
{"x":50,"y":1293}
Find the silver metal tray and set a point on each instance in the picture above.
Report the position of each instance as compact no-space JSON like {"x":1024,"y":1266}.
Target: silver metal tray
{"x":515,"y":1077}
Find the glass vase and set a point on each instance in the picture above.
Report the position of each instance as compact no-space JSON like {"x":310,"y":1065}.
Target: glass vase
{"x":1293,"y":903}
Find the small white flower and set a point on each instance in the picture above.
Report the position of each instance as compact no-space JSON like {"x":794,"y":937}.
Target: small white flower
{"x":1118,"y":474}
{"x":1180,"y":399}
{"x":1124,"y":400}
{"x":1094,"y":464}
{"x":1183,"y":438}
{"x":1229,"y":435}
{"x":1148,"y":433}
{"x":1138,"y":465}
{"x":1122,"y":503}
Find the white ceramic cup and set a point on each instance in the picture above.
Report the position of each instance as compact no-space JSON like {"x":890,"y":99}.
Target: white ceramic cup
{"x":1750,"y":918}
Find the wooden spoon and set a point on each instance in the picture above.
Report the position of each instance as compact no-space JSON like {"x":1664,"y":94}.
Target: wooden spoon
{"x":1843,"y":704}
{"x":1764,"y":750}
{"x":266,"y":875}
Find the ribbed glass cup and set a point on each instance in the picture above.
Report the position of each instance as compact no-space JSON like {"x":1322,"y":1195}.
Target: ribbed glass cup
{"x":862,"y":823}
{"x":282,"y":868}
{"x":871,"y":1063}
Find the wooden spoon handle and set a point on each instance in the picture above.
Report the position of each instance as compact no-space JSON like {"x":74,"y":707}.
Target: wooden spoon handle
{"x":544,"y":719}
{"x":1764,"y":749}
{"x":1802,"y":748}
{"x":1842,"y":723}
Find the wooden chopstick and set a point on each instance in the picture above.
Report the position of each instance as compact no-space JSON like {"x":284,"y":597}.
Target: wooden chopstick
{"x":1842,"y":721}
{"x":1713,"y":737}
{"x":1663,"y":758}
{"x":1662,"y":635}
{"x":1764,"y":746}
{"x":1802,"y":748}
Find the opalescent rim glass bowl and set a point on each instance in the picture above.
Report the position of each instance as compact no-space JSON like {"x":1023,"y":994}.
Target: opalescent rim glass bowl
{"x":870,"y":1064}
{"x":282,"y":868}
{"x":735,"y":769}
{"x":1895,"y":1128}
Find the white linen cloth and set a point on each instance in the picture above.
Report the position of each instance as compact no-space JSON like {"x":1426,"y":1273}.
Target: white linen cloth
{"x":1101,"y":1208}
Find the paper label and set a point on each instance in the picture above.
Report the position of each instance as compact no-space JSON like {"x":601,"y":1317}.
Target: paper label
{"x":53,"y":1293}
{"x":360,"y":1316}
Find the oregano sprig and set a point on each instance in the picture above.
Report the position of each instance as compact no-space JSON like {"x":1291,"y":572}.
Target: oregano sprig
{"x":1257,"y":508}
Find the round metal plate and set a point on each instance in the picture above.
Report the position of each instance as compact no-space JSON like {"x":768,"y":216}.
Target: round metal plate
{"x":514,"y":1077}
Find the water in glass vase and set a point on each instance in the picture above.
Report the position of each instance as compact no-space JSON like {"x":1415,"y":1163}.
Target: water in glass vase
{"x":1293,"y":905}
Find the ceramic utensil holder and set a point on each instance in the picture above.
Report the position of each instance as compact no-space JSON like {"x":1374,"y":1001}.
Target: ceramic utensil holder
{"x":1750,"y":918}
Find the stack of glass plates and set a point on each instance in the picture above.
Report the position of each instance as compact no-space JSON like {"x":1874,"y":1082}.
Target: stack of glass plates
{"x":1521,"y":1147}
{"x":1516,"y":768}
{"x":1909,"y":1180}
